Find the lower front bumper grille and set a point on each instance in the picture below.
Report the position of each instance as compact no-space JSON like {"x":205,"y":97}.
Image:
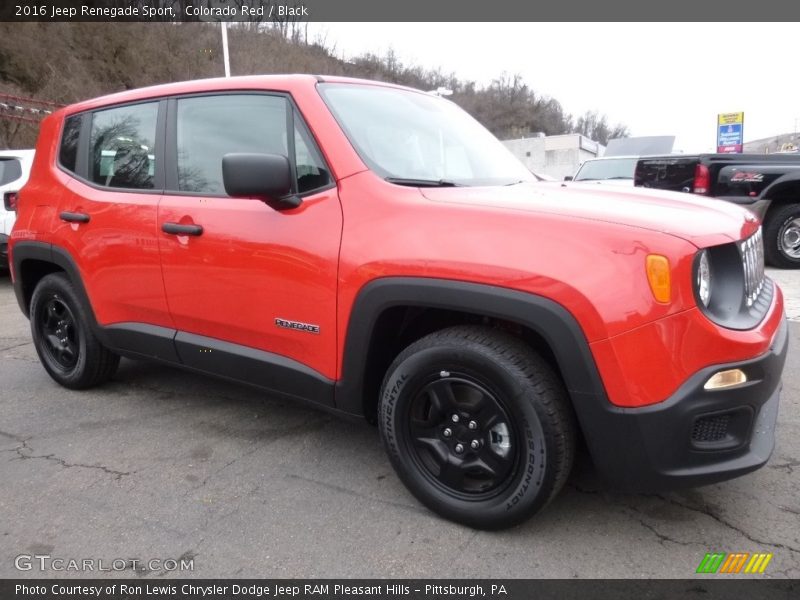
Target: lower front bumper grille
{"x":710,"y":429}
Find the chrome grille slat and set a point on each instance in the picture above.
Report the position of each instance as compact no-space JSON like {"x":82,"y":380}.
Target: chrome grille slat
{"x":752,"y":251}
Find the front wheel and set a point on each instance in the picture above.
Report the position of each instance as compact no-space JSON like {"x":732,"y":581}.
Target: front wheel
{"x":477,"y":426}
{"x":67,"y":347}
{"x":782,"y":237}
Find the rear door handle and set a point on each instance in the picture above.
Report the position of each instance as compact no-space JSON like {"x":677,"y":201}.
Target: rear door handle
{"x":178,"y":229}
{"x":74,"y":217}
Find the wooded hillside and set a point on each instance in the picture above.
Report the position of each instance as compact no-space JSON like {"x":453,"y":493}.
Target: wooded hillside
{"x":67,"y":62}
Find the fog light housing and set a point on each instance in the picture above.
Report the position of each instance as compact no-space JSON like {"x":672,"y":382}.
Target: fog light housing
{"x":725,"y":379}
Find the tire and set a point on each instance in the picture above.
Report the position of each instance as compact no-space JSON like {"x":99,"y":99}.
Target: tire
{"x":782,"y":236}
{"x":497,"y":384}
{"x":67,"y":347}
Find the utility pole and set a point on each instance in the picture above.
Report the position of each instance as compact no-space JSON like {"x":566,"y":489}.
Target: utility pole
{"x":225,"y":56}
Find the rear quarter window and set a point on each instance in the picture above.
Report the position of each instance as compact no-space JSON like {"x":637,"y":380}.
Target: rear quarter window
{"x":68,"y":150}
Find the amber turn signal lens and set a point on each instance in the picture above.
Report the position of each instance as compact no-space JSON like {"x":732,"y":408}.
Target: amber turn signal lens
{"x":658,"y":276}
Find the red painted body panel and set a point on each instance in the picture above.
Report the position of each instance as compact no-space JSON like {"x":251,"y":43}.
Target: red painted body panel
{"x":41,"y":195}
{"x":647,"y":364}
{"x":251,"y":265}
{"x":116,"y":253}
{"x":582,"y":247}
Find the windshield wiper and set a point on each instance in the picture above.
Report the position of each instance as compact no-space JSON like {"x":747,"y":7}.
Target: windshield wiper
{"x":423,"y":182}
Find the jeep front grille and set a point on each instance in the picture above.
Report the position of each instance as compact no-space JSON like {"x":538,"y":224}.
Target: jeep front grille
{"x":752,"y":251}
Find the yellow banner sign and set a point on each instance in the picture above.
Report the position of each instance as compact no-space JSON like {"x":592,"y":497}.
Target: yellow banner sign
{"x":730,"y":118}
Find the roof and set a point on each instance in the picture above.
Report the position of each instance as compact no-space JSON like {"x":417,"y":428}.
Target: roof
{"x":248,"y":82}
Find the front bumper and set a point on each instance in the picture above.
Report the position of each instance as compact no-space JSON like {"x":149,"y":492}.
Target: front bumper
{"x":696,"y":436}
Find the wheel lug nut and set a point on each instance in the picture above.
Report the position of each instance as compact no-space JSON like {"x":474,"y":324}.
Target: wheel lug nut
{"x":475,"y":444}
{"x":455,"y":418}
{"x":472,"y":425}
{"x":447,"y":432}
{"x":459,"y":448}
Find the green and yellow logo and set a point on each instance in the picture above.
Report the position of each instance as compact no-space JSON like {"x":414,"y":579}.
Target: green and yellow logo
{"x":735,"y":562}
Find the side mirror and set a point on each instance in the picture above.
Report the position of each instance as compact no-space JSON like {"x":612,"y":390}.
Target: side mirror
{"x":267,"y":177}
{"x":567,"y":177}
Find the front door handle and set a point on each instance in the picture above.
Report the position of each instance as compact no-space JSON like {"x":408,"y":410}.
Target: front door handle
{"x":74,"y":217}
{"x":178,"y":229}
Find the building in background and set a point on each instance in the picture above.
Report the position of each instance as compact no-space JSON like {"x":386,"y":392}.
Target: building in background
{"x":777,"y":143}
{"x":555,"y":155}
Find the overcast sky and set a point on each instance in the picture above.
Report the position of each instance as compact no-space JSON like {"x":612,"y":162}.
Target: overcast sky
{"x":659,"y":78}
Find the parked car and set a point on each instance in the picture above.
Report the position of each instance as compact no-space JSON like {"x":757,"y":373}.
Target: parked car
{"x":373,"y":250}
{"x":615,"y":170}
{"x":767,"y":184}
{"x":543,"y":177}
{"x":15,"y":165}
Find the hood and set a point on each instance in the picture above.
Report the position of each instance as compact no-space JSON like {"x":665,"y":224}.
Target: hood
{"x":699,"y":220}
{"x":616,"y":182}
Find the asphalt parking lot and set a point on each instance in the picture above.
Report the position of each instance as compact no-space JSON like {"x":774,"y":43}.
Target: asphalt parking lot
{"x":160,"y":464}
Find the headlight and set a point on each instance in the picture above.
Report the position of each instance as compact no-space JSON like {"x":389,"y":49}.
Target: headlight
{"x":703,"y":282}
{"x":729,"y":284}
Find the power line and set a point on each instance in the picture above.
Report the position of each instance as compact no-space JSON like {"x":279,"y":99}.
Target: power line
{"x":20,"y":99}
{"x":27,"y":110}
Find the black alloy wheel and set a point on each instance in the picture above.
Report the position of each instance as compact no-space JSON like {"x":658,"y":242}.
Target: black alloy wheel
{"x":58,"y":329}
{"x":477,"y":425}
{"x":461,"y":435}
{"x":67,"y":346}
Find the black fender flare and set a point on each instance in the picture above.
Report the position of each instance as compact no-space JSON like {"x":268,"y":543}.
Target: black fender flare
{"x":554,"y":323}
{"x":791,"y":177}
{"x":130,"y":339}
{"x":45,"y":252}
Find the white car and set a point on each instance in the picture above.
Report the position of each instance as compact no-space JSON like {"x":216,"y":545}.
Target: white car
{"x":15,"y":166}
{"x":614,"y":170}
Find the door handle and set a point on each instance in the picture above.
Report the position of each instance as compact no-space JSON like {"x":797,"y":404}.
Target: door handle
{"x":178,"y":229}
{"x":74,"y":217}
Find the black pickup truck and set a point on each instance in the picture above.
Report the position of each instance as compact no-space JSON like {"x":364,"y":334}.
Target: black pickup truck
{"x":767,"y":184}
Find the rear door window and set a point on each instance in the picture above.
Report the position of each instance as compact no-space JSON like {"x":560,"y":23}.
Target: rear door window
{"x":123,"y":146}
{"x":10,"y":170}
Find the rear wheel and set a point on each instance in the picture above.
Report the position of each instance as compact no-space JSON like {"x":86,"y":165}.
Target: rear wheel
{"x":782,"y":237}
{"x":67,"y":347}
{"x":477,"y":426}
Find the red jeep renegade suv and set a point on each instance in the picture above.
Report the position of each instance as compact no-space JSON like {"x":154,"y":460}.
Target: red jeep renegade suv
{"x":374,"y":250}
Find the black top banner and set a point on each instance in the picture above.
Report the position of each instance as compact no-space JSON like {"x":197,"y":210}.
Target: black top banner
{"x":399,"y":11}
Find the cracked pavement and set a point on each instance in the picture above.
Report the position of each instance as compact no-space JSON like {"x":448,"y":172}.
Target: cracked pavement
{"x":163,"y":464}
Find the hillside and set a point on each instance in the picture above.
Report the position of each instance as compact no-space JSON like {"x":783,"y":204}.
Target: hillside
{"x":66,"y":62}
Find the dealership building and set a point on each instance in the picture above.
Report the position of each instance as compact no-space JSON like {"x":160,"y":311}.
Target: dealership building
{"x":555,"y":155}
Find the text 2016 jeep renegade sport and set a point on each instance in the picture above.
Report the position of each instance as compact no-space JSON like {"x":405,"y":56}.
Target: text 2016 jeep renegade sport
{"x":374,"y":250}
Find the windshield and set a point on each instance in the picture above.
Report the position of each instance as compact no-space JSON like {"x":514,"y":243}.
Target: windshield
{"x":607,"y":168}
{"x":414,"y":138}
